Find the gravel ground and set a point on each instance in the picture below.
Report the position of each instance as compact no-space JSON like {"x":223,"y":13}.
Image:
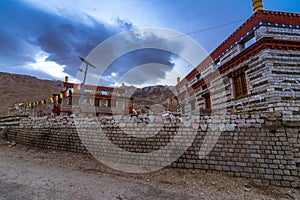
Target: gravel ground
{"x":32,"y":173}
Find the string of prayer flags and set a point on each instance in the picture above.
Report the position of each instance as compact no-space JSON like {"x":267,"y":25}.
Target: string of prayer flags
{"x":52,"y":100}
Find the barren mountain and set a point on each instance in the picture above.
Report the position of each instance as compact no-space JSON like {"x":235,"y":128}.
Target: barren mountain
{"x":146,"y":97}
{"x":15,"y":88}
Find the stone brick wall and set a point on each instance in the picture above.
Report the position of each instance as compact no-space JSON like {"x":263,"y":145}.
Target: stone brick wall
{"x":259,"y":145}
{"x":53,"y":133}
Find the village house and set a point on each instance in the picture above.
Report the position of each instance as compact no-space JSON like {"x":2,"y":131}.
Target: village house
{"x":99,"y":100}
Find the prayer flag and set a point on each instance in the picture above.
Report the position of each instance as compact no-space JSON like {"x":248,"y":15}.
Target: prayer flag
{"x":21,"y":105}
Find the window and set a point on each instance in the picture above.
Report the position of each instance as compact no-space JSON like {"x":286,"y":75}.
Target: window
{"x":70,"y":100}
{"x":193,"y":104}
{"x":240,"y":85}
{"x":207,"y":101}
{"x":97,"y":102}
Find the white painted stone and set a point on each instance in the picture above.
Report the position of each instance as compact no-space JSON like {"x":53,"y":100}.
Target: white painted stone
{"x":195,"y":125}
{"x":203,"y":127}
{"x":230,"y":127}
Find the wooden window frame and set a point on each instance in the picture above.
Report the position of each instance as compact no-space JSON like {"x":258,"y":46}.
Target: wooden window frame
{"x":97,"y":102}
{"x":239,"y":81}
{"x":70,"y":101}
{"x":240,"y":86}
{"x":207,"y":101}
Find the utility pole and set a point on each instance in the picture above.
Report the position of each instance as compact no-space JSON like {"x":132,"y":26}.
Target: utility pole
{"x":88,"y":64}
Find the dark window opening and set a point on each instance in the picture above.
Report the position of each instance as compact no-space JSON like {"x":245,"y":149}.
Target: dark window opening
{"x":240,"y":85}
{"x":70,"y":100}
{"x":207,"y":101}
{"x":97,"y":102}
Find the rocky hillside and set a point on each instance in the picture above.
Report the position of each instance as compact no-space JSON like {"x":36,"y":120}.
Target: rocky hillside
{"x":146,"y":97}
{"x":15,"y":88}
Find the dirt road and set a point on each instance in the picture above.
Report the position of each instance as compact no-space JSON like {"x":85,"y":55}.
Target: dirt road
{"x":31,"y":173}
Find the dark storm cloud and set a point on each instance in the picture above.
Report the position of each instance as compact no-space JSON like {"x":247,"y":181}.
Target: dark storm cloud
{"x":132,"y":49}
{"x":134,"y":59}
{"x":29,"y":30}
{"x":9,"y":47}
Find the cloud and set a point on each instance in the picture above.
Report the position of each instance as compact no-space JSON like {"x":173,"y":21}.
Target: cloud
{"x":62,"y":38}
{"x":133,"y":59}
{"x":31,"y":30}
{"x":145,"y":49}
{"x":50,"y":68}
{"x":145,"y":74}
{"x":152,"y":74}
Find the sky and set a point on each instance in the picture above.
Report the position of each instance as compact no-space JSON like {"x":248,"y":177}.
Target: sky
{"x":44,"y":38}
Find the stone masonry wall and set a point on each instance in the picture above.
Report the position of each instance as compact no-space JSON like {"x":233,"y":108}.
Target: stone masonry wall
{"x":259,"y":146}
{"x":53,"y":133}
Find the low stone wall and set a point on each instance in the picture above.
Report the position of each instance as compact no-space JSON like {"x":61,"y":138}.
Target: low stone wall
{"x":258,"y":146}
{"x":53,"y":133}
